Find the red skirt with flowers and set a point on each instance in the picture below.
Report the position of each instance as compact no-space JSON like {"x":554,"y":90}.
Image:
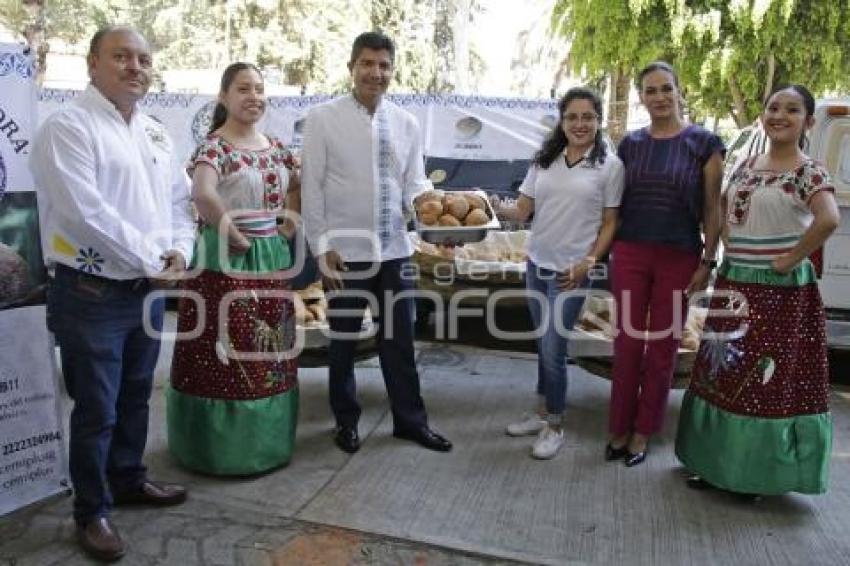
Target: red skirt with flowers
{"x":259,"y":327}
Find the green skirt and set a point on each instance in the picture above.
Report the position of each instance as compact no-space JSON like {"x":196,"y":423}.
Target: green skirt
{"x":747,"y":454}
{"x":227,"y":437}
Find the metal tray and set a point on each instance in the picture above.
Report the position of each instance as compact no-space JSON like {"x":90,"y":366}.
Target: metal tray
{"x":459,"y":234}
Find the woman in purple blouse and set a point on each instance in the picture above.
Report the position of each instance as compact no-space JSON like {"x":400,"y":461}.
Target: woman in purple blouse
{"x":663,"y":252}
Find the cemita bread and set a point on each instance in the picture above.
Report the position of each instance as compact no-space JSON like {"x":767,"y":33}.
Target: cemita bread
{"x":439,"y":208}
{"x":433,"y":207}
{"x":457,"y":206}
{"x":476,"y":217}
{"x":475,"y":202}
{"x":448,"y":220}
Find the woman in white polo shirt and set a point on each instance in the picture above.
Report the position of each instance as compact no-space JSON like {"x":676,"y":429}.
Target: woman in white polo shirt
{"x":573,"y":188}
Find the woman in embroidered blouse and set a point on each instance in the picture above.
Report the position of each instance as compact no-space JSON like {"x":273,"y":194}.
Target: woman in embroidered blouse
{"x":755,"y":419}
{"x":673,"y":174}
{"x":233,"y":400}
{"x":573,"y":188}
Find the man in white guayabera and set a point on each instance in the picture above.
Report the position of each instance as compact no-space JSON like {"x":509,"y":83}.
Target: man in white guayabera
{"x":362,"y":168}
{"x":116,"y":224}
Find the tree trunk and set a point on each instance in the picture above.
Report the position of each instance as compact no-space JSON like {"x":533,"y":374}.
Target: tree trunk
{"x":461,"y":44}
{"x":34,"y":33}
{"x":618,"y":105}
{"x":441,"y":80}
{"x":771,"y":71}
{"x":740,"y":112}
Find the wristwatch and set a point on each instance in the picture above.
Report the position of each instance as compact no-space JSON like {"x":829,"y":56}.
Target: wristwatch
{"x":711,"y":264}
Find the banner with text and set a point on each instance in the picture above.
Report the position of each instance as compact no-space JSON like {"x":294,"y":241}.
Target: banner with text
{"x":32,"y":455}
{"x":453,"y":126}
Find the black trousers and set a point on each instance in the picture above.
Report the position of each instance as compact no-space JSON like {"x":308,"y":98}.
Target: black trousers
{"x":394,"y":318}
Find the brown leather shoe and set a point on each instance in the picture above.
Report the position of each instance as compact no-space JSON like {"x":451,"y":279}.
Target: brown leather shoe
{"x":100,"y":540}
{"x":152,"y":493}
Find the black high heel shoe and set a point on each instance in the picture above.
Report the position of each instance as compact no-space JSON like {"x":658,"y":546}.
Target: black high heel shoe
{"x":634,"y":459}
{"x":696,"y":482}
{"x":612,"y":453}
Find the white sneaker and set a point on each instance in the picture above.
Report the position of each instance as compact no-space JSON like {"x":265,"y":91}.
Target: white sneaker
{"x":548,"y":443}
{"x":529,"y":425}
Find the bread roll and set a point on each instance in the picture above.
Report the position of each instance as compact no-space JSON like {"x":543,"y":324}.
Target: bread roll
{"x":428,"y":219}
{"x":693,"y":328}
{"x":448,"y":253}
{"x":431,"y":195}
{"x":475,"y":202}
{"x":457,"y":207}
{"x":476,"y":217}
{"x":309,"y":316}
{"x":517,"y":256}
{"x":689,"y":342}
{"x":431,"y":207}
{"x":448,"y":220}
{"x":317,"y":311}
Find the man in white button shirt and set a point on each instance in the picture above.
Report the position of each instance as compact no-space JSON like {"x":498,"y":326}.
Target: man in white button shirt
{"x":362,"y":168}
{"x":115,"y":221}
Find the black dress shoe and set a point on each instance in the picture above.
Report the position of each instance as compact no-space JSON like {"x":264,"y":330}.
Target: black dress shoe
{"x":425,"y":437}
{"x":634,"y":459}
{"x":152,"y":493}
{"x":347,"y":439}
{"x":612,"y":453}
{"x":696,"y":482}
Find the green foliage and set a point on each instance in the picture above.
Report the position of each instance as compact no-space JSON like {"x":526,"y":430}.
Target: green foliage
{"x":761,"y":44}
{"x":65,"y":18}
{"x":611,"y":35}
{"x":307,"y":42}
{"x":728,"y":53}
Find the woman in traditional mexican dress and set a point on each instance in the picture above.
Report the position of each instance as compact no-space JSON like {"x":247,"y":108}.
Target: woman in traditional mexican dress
{"x":755,"y":419}
{"x":233,"y":400}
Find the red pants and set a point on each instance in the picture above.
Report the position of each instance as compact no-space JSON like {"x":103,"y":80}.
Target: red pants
{"x":648,"y":282}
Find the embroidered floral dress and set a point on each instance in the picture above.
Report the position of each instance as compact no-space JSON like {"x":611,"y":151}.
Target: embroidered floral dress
{"x":233,"y":400}
{"x":756,"y":419}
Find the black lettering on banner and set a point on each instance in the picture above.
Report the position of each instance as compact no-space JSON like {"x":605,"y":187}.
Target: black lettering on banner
{"x":9,"y":128}
{"x":31,"y":442}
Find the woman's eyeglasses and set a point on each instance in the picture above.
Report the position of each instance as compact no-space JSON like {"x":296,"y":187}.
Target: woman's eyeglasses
{"x":582,"y":118}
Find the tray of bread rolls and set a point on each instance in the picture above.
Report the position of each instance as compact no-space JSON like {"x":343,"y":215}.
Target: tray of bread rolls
{"x":311,"y":306}
{"x":454,"y":216}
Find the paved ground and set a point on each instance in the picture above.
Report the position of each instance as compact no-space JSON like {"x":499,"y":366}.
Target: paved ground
{"x":487,"y":502}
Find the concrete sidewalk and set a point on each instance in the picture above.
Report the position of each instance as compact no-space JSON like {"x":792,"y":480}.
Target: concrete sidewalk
{"x":485,"y":502}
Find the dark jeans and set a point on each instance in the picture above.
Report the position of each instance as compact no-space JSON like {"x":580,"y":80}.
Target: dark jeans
{"x":395,"y":348}
{"x":107,"y":363}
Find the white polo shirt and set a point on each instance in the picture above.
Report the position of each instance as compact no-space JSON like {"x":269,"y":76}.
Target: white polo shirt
{"x":110,"y":200}
{"x":340,"y":178}
{"x":568,"y":207}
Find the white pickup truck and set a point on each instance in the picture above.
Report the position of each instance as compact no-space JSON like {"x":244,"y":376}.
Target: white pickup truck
{"x":829,"y":143}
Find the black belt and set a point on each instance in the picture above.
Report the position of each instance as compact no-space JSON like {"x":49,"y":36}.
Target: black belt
{"x":139,"y":284}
